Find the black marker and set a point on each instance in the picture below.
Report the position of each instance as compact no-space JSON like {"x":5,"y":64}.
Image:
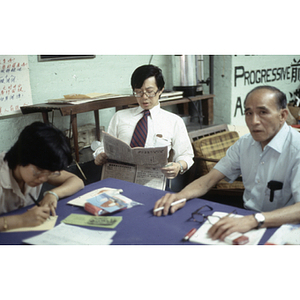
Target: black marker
{"x":274,"y":186}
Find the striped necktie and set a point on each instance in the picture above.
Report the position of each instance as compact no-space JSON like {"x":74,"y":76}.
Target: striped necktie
{"x":140,"y":132}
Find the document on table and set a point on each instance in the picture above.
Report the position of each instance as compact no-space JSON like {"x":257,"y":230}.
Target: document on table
{"x":81,"y":200}
{"x":47,"y":225}
{"x":202,"y":237}
{"x":94,"y":221}
{"x":287,"y":234}
{"x":71,"y":235}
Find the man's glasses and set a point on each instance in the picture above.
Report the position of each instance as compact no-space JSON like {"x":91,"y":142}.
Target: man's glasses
{"x":37,"y":173}
{"x":203,"y":214}
{"x":140,"y":94}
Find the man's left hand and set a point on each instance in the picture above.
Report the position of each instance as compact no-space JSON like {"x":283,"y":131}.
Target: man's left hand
{"x":228,"y":225}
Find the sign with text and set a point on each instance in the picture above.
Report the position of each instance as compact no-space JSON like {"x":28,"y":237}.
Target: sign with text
{"x":250,"y":71}
{"x":15,"y":88}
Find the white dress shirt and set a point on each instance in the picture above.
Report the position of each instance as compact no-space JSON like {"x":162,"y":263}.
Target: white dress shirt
{"x":164,"y":129}
{"x":279,"y":161}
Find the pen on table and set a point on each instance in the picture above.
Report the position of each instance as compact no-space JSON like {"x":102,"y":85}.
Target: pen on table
{"x":35,"y":201}
{"x":172,"y":204}
{"x":189,"y":234}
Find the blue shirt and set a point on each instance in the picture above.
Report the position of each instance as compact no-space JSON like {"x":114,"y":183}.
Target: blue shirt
{"x":279,"y":161}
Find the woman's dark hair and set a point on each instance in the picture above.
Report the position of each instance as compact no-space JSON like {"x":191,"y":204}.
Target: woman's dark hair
{"x":41,"y":145}
{"x":280,"y":96}
{"x":143,"y":72}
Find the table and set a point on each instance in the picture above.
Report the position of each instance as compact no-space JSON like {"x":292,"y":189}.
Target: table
{"x":139,"y":226}
{"x":119,"y":102}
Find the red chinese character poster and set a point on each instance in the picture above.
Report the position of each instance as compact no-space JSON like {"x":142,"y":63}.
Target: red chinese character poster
{"x":15,"y":88}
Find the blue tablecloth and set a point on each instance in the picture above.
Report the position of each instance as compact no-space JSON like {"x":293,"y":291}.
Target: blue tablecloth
{"x":139,"y":226}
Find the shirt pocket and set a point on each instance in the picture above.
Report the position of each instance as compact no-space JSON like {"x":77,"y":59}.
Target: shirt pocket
{"x":161,"y":141}
{"x":277,"y":194}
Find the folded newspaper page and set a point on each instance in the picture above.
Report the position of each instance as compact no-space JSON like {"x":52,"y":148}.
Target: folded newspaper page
{"x":139,"y":165}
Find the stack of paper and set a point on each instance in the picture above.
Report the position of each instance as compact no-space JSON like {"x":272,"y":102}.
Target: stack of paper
{"x":167,"y":96}
{"x":84,"y":98}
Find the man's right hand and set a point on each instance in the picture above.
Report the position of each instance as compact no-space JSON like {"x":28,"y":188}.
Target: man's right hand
{"x":101,"y":159}
{"x":166,"y":202}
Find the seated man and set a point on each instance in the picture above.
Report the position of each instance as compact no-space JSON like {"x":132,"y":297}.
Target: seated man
{"x":163,"y":128}
{"x":40,"y":155}
{"x":268,"y":158}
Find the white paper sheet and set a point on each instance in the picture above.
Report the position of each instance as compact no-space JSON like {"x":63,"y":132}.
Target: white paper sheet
{"x":286,"y":234}
{"x":202,"y":237}
{"x":71,"y":235}
{"x":47,"y":225}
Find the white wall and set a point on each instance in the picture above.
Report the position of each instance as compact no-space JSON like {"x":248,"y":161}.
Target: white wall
{"x":111,"y":73}
{"x":53,"y":79}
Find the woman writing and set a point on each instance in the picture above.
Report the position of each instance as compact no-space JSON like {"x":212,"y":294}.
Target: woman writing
{"x":40,"y":155}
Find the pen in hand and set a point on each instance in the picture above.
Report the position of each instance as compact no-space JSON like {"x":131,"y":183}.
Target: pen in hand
{"x":172,"y":204}
{"x":35,"y":201}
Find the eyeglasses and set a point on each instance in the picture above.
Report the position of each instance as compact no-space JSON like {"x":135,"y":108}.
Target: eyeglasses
{"x":204,"y":213}
{"x":140,"y":94}
{"x":38,"y":173}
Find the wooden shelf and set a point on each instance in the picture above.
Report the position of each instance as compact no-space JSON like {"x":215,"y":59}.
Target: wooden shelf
{"x":119,"y":102}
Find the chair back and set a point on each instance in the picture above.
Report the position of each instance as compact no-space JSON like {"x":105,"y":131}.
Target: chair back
{"x":214,"y":147}
{"x":201,"y":133}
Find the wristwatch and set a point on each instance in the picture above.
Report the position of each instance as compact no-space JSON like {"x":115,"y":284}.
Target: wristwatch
{"x":181,"y":168}
{"x":260,"y":218}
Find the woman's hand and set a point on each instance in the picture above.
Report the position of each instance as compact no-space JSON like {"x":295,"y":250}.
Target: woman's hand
{"x":101,"y":159}
{"x":49,"y":201}
{"x":35,"y":216}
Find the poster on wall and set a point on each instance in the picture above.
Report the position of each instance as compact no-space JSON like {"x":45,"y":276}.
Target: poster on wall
{"x":250,"y":71}
{"x":15,"y":88}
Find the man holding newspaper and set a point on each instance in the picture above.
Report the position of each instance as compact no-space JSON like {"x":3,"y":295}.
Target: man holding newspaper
{"x":150,"y":126}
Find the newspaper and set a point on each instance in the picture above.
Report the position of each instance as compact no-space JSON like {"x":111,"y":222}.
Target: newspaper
{"x":138,"y":165}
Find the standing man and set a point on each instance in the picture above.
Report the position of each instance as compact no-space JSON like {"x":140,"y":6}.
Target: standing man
{"x":268,"y":158}
{"x":163,"y":128}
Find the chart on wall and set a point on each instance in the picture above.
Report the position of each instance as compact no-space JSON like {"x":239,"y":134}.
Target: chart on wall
{"x":15,"y":88}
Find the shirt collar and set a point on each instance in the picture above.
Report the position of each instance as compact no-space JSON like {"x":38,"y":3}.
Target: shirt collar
{"x":153,"y":111}
{"x":278,"y":140}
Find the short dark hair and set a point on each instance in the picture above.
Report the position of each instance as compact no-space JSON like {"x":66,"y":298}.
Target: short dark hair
{"x":280,"y":96}
{"x":141,"y":73}
{"x":41,"y":145}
